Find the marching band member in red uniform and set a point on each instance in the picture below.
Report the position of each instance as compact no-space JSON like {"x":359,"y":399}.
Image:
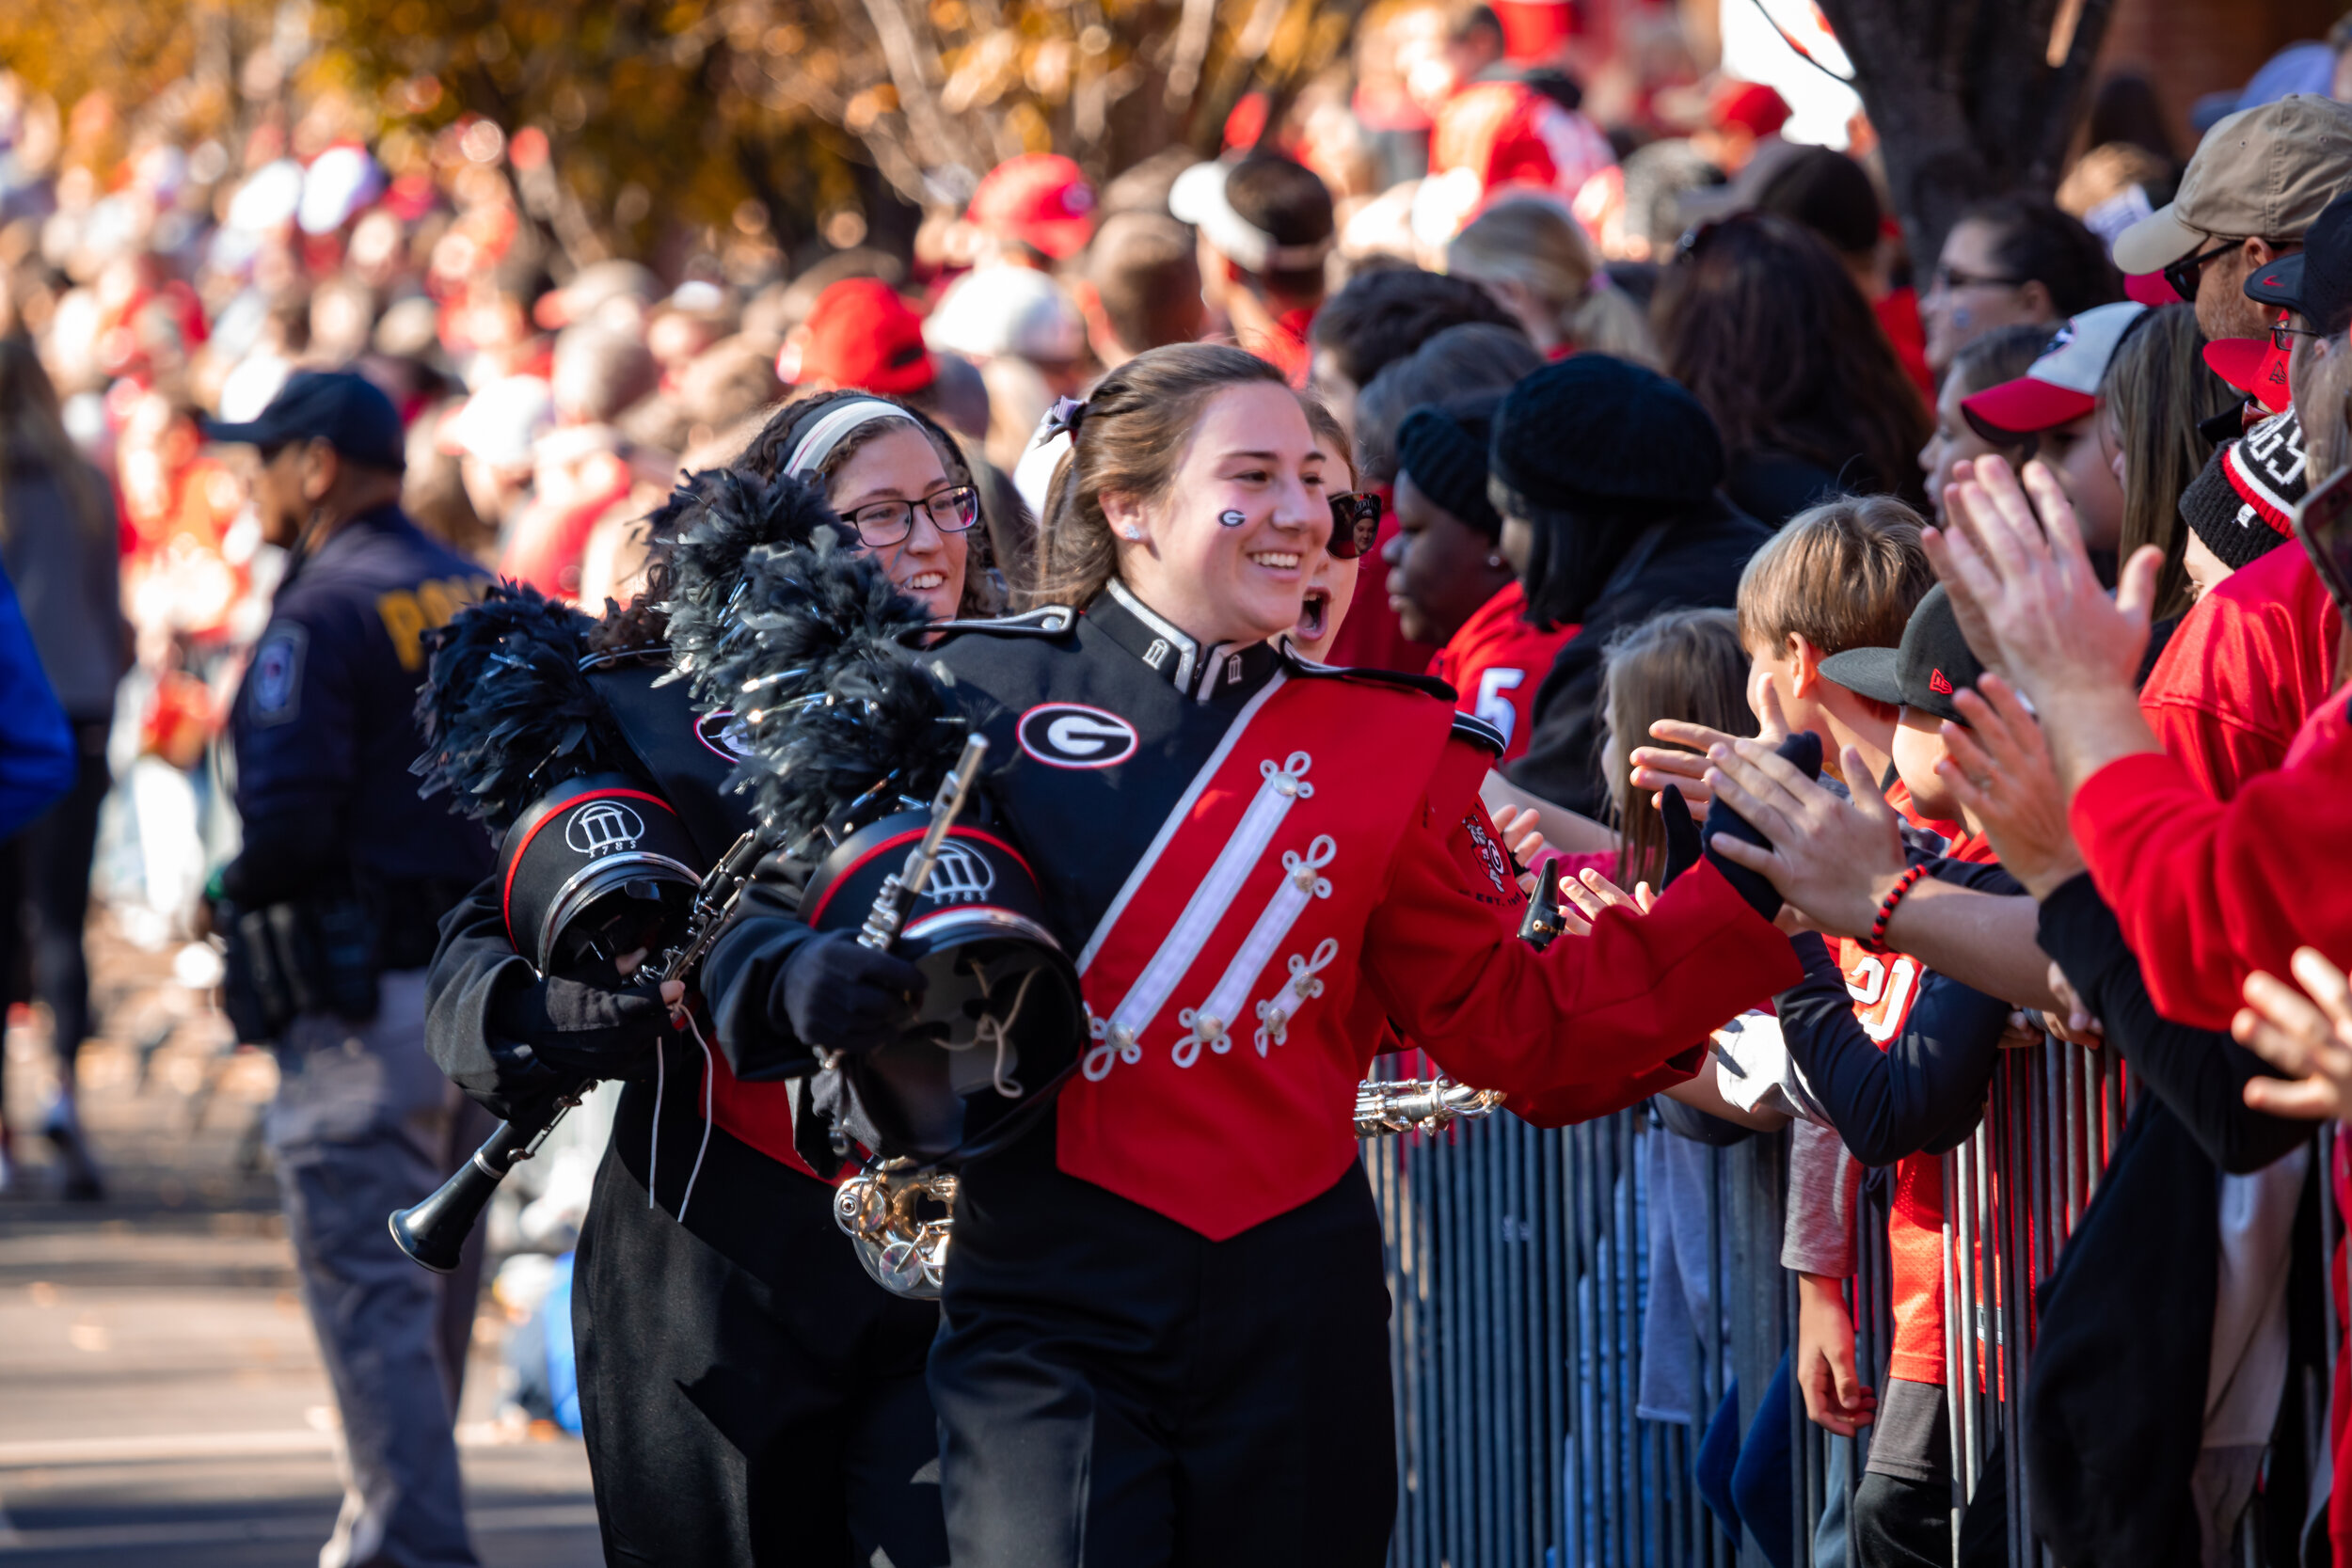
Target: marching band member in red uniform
{"x":748,"y":1395}
{"x":1166,"y":1334}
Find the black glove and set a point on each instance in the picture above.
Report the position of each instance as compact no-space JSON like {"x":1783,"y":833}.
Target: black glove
{"x":1683,"y":846}
{"x":1803,"y":749}
{"x":593,"y":1022}
{"x":837,"y":995}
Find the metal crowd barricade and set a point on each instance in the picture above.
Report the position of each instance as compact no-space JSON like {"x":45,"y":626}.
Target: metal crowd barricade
{"x":1520,"y":1265}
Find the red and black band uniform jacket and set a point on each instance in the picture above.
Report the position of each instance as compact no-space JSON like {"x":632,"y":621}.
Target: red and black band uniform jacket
{"x":1235,"y":845}
{"x":686,"y":756}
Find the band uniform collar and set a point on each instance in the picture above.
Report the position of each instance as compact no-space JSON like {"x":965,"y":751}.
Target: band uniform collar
{"x":1198,"y":671}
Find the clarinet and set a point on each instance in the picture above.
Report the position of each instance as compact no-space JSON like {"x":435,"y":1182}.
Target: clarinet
{"x":434,"y":1233}
{"x":900,"y":890}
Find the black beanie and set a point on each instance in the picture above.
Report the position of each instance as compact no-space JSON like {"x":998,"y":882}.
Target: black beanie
{"x":1443,"y":446}
{"x":2242,"y":503}
{"x":1594,"y":433}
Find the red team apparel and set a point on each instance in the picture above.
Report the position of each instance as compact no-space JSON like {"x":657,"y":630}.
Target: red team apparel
{"x":1219,"y":1089}
{"x":2206,"y":892}
{"x":2249,"y":663}
{"x":1495,"y":661}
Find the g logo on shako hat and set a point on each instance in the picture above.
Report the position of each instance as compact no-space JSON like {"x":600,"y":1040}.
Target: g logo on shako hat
{"x":1071,"y":735}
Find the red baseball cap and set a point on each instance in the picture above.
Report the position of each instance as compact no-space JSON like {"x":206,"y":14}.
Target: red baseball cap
{"x":862,"y":334}
{"x":1750,"y":104}
{"x":1039,"y":199}
{"x":2062,"y":385}
{"x":2255,"y":367}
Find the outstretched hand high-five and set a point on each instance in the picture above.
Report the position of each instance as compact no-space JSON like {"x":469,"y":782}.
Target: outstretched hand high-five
{"x":1834,"y":859}
{"x":2029,"y":604}
{"x":1657,"y":767}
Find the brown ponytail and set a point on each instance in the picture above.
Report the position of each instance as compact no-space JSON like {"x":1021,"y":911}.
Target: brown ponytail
{"x":1130,"y":439}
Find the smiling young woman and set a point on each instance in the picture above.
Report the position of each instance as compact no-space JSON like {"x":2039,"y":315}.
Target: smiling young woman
{"x":1166,"y":1325}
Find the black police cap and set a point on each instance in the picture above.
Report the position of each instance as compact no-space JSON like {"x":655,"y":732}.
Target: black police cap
{"x":345,"y":410}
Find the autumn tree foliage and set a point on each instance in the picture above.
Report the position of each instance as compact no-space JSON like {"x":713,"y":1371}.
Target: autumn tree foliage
{"x":711,"y":110}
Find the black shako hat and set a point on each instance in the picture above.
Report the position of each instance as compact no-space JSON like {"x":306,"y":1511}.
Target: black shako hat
{"x":1933,"y":663}
{"x":2314,"y":282}
{"x":1443,"y":446}
{"x":1595,"y":433}
{"x":342,"y":408}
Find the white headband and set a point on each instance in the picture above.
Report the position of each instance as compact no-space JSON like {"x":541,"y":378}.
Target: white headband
{"x":827,"y":433}
{"x":1198,"y":199}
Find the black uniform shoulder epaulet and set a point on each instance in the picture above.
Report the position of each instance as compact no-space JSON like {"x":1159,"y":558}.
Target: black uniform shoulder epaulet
{"x":1470,"y":727}
{"x":1428,"y":686}
{"x":1052,"y":620}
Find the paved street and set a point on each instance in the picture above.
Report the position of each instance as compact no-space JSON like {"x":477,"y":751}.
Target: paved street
{"x":160,"y":1401}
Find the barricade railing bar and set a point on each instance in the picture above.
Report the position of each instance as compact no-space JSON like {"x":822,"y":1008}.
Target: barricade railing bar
{"x":1521,"y":1266}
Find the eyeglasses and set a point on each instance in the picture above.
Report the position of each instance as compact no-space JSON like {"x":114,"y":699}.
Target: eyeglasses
{"x":2184,"y":274}
{"x":886,"y":523}
{"x":1354,"y":524}
{"x":2282,"y":336}
{"x":1949,"y":279}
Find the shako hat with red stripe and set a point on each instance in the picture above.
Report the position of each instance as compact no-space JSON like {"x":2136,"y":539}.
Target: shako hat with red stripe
{"x":1001,"y":1027}
{"x":598,"y":867}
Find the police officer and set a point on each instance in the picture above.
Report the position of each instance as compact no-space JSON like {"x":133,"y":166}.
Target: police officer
{"x":330,"y":912}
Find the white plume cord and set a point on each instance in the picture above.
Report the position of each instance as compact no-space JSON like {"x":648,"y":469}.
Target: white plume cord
{"x":710,"y":1072}
{"x":998,"y":1031}
{"x":653,"y":1159}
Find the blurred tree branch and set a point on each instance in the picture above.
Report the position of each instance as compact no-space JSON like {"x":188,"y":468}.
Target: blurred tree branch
{"x":703,"y":103}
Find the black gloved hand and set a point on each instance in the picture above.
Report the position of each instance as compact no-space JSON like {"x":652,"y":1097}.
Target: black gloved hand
{"x":1683,"y":846}
{"x":1803,"y":749}
{"x":594,"y":1021}
{"x":837,"y":995}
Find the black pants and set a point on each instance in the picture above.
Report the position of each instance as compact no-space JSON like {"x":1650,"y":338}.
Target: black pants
{"x":749,"y":1396}
{"x":1117,"y":1391}
{"x":44,"y":897}
{"x":1897,"y":1522}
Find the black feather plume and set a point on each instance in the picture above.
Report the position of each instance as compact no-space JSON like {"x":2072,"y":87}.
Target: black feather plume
{"x":842,"y":716}
{"x":731,"y":514}
{"x":505,"y":712}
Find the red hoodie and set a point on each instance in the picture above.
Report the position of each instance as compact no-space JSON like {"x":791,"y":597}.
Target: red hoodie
{"x":2206,"y":891}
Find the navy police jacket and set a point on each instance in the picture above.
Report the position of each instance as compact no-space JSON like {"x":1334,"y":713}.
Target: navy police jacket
{"x":324,"y":724}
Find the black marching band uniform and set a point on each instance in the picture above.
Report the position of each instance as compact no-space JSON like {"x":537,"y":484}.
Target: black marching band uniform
{"x":748,"y":1394}
{"x":1165,"y":1321}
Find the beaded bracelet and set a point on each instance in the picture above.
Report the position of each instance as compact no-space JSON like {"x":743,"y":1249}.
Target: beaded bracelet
{"x":1903,"y":884}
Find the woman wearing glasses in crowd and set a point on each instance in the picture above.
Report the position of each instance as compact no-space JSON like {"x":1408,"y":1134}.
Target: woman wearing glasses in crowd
{"x":748,"y":1394}
{"x":2012,"y":259}
{"x":1165,"y":1333}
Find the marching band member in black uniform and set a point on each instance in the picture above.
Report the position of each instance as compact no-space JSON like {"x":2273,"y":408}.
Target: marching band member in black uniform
{"x":749,"y":1395}
{"x":1165,"y":1335}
